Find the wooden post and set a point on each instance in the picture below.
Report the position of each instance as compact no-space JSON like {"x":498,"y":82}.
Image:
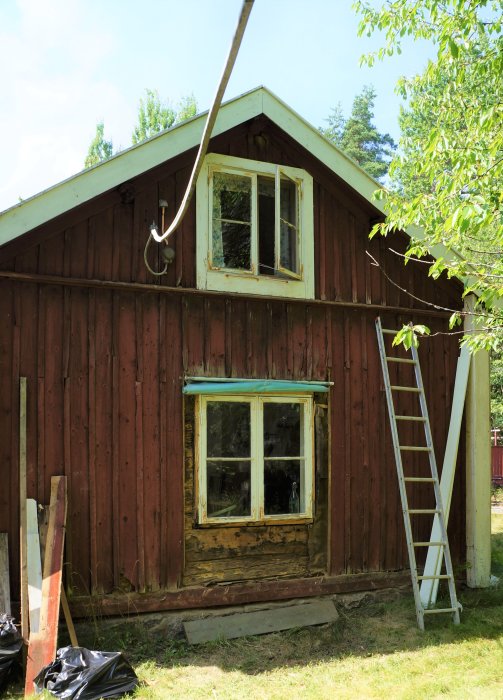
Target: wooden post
{"x":478,"y":466}
{"x":22,"y":510}
{"x":42,"y":647}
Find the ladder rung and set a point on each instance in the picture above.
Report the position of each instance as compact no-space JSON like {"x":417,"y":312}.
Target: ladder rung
{"x":429,"y":544}
{"x":401,"y":359}
{"x":424,"y":511}
{"x":406,"y":388}
{"x":420,"y":479}
{"x":418,"y":418}
{"x":433,"y":611}
{"x":389,"y":331}
{"x":413,"y":448}
{"x":434,"y":578}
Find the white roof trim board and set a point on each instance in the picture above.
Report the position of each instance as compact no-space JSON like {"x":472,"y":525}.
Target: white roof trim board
{"x":80,"y":188}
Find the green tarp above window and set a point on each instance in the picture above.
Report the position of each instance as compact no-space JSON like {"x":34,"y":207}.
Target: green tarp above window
{"x":253,"y":386}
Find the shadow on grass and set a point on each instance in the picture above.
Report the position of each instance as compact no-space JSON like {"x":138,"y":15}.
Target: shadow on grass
{"x":372,"y":628}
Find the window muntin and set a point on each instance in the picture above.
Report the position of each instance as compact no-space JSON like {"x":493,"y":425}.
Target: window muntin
{"x":255,"y":458}
{"x":254,"y":228}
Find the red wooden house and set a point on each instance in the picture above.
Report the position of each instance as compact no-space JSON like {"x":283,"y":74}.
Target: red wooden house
{"x":223,"y":427}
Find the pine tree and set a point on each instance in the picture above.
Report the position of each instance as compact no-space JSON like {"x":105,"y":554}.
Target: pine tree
{"x":358,"y":137}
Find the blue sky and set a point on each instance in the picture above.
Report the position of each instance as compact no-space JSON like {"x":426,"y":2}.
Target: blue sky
{"x":66,"y":64}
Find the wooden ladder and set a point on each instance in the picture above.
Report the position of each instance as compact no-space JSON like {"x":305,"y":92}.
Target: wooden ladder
{"x":438,"y":511}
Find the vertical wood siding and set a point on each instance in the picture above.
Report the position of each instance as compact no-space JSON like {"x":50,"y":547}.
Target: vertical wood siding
{"x":105,"y":371}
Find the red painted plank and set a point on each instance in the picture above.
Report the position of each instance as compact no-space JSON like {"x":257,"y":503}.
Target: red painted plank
{"x":279,"y":341}
{"x":91,"y":445}
{"x":228,"y":338}
{"x":375,"y":453}
{"x":163,"y":447}
{"x":355,"y":428}
{"x":320,"y":234}
{"x":151,"y":444}
{"x":238,"y":339}
{"x":214,"y":336}
{"x":103,"y":510}
{"x":140,"y":500}
{"x":319,"y":343}
{"x":192,"y":326}
{"x":185,"y":252}
{"x":78,"y":464}
{"x":9,"y":496}
{"x":257,"y":339}
{"x":167,"y":192}
{"x":53,"y":418}
{"x":174,"y":448}
{"x":338,"y":445}
{"x":299,"y":341}
{"x":127,"y":486}
{"x":366,"y":457}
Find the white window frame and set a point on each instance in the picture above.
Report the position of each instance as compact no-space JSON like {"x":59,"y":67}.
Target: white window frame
{"x":257,"y":514}
{"x":299,"y":286}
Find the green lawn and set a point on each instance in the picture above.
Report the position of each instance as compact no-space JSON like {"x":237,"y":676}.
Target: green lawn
{"x":374,"y":651}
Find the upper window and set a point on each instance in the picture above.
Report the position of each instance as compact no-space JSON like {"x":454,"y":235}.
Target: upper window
{"x":255,"y":458}
{"x":254,"y":228}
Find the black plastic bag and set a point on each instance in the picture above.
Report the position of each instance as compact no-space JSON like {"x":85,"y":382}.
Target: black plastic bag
{"x":10,"y":649}
{"x":80,"y":674}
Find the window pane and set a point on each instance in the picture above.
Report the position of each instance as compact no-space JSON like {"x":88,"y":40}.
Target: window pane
{"x":232,"y":245}
{"x":288,"y":226}
{"x":231,"y":228}
{"x":228,"y":429}
{"x":289,"y":259}
{"x":284,"y":487}
{"x":228,"y":489}
{"x":266,"y":199}
{"x":288,"y":198}
{"x":283,"y":429}
{"x":232,"y":197}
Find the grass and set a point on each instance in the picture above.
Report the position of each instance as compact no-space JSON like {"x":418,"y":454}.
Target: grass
{"x":372,"y":651}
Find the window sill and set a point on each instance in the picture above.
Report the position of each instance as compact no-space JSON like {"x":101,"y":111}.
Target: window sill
{"x":267,"y":285}
{"x":267,"y":522}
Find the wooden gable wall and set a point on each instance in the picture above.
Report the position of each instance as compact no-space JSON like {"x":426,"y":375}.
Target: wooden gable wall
{"x":105,"y":350}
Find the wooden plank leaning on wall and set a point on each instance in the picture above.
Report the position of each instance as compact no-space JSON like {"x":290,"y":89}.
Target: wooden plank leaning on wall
{"x":42,"y":645}
{"x":4,"y":574}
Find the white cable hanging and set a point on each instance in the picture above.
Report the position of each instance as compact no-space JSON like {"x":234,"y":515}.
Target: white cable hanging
{"x":208,"y":128}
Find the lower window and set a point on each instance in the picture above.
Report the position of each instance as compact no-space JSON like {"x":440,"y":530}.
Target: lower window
{"x":255,"y":458}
